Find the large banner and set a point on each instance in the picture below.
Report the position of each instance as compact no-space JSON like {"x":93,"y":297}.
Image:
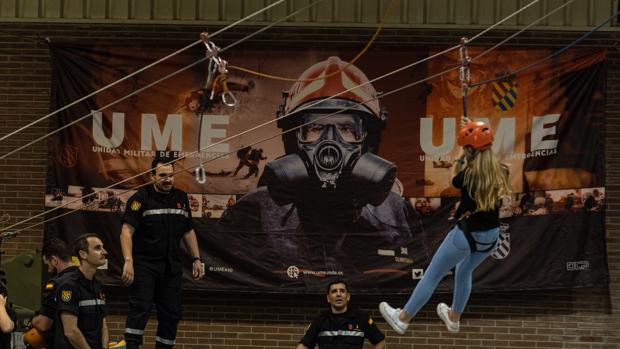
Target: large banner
{"x":261,"y":233}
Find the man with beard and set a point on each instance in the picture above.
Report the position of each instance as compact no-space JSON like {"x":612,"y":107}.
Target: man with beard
{"x":341,"y":327}
{"x":157,"y":217}
{"x":57,"y":258}
{"x":80,"y":320}
{"x":328,"y":201}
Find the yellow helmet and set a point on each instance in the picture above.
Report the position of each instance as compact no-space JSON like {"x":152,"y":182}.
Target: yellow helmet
{"x":34,"y":338}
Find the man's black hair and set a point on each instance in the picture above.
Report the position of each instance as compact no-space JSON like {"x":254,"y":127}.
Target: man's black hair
{"x":339,"y":281}
{"x":161,"y":158}
{"x":81,"y":243}
{"x":56,"y":247}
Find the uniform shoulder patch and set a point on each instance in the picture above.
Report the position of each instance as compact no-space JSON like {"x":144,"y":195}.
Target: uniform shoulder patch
{"x":135,"y":205}
{"x":49,"y":286}
{"x":65,"y":295}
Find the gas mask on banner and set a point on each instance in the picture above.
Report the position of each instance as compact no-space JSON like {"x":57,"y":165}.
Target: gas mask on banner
{"x":330,"y":160}
{"x":330,"y":145}
{"x":331,"y":156}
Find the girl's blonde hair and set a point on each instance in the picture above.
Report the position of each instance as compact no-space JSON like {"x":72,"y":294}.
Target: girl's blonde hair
{"x":486,"y":180}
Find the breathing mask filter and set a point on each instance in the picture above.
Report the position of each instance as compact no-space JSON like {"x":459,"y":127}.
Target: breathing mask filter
{"x":330,"y":160}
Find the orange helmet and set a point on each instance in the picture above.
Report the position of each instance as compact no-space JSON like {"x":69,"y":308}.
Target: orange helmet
{"x":34,"y":338}
{"x":476,"y":134}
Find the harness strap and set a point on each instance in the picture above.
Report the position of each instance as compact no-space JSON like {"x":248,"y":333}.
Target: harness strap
{"x":473,"y":244}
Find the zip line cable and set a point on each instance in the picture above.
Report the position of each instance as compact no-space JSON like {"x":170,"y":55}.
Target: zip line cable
{"x":15,"y":232}
{"x":522,"y":30}
{"x":503,"y":20}
{"x":239,"y":134}
{"x":136,"y":72}
{"x":390,"y":6}
{"x":544,"y":59}
{"x":3,"y":156}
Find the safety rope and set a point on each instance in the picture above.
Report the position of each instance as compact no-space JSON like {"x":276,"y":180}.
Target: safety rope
{"x":5,"y":155}
{"x":465,"y":60}
{"x":137,"y":71}
{"x":352,"y":61}
{"x":544,"y":59}
{"x":256,"y":127}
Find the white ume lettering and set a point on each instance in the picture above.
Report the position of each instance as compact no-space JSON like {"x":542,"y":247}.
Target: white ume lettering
{"x":152,"y":136}
{"x":542,"y":134}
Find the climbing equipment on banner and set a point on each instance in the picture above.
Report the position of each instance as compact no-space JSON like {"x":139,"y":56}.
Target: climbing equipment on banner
{"x":216,"y":86}
{"x":214,"y":90}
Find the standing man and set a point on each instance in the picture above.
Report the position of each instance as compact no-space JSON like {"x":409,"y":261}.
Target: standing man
{"x":80,"y":320}
{"x":156,"y":219}
{"x":57,"y":257}
{"x":341,"y":328}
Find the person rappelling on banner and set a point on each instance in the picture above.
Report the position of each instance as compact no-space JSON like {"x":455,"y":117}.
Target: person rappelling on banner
{"x":329,"y":197}
{"x":254,"y":158}
{"x":483,"y":181}
{"x":251,"y":158}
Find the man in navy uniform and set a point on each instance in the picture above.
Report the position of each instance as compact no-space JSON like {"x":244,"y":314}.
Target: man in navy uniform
{"x":80,"y":320}
{"x":57,"y":257}
{"x":341,"y":327}
{"x":157,"y":217}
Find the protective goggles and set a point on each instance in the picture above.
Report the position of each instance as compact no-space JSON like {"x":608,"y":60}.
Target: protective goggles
{"x":349,"y":128}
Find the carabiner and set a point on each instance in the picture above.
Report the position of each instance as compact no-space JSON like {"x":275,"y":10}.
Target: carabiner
{"x":212,"y":49}
{"x":232,"y":96}
{"x":200,"y":174}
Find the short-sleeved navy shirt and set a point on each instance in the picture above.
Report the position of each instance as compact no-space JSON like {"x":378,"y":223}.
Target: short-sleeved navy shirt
{"x":85,"y":299}
{"x":48,"y":302}
{"x":160,"y":220}
{"x":342,"y":331}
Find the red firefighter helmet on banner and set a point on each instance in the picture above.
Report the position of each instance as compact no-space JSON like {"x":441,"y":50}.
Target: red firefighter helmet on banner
{"x":333,"y":77}
{"x":321,"y":89}
{"x":476,"y":134}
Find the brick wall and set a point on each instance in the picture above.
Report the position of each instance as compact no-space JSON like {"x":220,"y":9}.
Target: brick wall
{"x":532,"y":319}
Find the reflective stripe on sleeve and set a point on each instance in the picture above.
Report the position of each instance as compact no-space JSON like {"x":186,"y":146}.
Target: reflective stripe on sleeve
{"x":162,"y":211}
{"x":91,"y":302}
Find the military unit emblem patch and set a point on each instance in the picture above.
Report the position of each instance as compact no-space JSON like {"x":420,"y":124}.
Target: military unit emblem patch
{"x":504,"y":94}
{"x":65,"y":296}
{"x":135,"y":205}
